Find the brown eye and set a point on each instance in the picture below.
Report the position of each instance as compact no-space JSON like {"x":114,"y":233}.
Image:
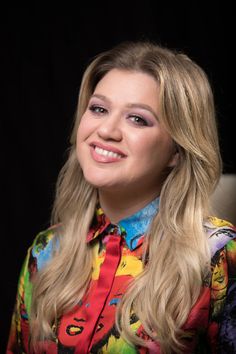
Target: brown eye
{"x":137,"y":120}
{"x":97,"y":109}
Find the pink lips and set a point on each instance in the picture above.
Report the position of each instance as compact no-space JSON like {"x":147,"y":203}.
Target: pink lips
{"x":105,"y":158}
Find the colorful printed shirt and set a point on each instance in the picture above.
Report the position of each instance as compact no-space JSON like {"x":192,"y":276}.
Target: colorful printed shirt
{"x":117,"y":259}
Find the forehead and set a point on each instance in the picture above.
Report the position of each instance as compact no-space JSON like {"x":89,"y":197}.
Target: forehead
{"x":129,"y":86}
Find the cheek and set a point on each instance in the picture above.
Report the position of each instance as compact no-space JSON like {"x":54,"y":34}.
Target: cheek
{"x":83,"y":130}
{"x":154,"y":145}
{"x":79,"y":136}
{"x":80,"y":139}
{"x":159,"y":153}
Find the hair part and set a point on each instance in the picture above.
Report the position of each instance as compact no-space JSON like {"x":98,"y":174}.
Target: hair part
{"x":177,"y":256}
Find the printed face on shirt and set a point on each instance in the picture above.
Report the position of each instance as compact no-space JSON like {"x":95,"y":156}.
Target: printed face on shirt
{"x":219,"y":276}
{"x":120,"y":143}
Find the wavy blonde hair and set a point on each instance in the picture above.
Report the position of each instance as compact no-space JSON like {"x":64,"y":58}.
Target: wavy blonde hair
{"x":177,"y":249}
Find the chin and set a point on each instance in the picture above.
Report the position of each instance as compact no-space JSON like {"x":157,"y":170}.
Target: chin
{"x":97,"y":181}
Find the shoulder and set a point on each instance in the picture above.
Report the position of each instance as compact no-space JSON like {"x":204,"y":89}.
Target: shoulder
{"x":39,"y":253}
{"x":220,"y":234}
{"x":222,"y":239}
{"x":42,"y":248}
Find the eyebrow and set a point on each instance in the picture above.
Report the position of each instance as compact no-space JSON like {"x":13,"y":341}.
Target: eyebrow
{"x":129,"y":105}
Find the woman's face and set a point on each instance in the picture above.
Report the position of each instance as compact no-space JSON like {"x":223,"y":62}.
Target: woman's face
{"x":219,"y":277}
{"x":121,"y":146}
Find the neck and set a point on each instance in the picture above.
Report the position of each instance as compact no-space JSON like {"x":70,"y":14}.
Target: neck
{"x":118,"y":206}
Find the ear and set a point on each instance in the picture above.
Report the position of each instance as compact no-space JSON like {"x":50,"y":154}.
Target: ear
{"x":174,"y":159}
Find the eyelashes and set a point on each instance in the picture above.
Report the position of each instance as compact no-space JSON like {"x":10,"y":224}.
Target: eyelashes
{"x":97,"y":109}
{"x":135,"y":119}
{"x":138,"y":120}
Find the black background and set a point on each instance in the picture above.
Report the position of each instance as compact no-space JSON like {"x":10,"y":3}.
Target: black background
{"x":44,"y":52}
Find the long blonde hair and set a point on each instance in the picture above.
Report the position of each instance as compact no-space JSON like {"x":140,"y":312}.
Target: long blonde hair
{"x":178,"y":254}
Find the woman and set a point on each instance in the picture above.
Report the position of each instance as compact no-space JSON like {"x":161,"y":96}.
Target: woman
{"x":132,"y":262}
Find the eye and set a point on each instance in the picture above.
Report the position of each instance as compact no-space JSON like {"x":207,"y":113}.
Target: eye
{"x":97,"y":109}
{"x":137,"y":120}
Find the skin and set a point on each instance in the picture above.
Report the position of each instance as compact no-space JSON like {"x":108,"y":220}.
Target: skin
{"x":122,"y":118}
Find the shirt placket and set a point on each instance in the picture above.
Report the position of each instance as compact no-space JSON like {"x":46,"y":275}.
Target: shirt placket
{"x":101,"y":292}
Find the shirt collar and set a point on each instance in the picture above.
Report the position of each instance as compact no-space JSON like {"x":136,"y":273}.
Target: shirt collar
{"x":132,"y":228}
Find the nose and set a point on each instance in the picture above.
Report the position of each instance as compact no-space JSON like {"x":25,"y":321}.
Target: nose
{"x":110,"y":128}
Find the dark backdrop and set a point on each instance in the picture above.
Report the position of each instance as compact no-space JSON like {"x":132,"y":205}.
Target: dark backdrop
{"x":44,"y":52}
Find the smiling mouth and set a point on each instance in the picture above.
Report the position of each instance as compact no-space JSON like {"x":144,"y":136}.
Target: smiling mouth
{"x":107,"y":153}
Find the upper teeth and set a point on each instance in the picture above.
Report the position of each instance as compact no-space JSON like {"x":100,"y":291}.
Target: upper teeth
{"x":103,"y":152}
